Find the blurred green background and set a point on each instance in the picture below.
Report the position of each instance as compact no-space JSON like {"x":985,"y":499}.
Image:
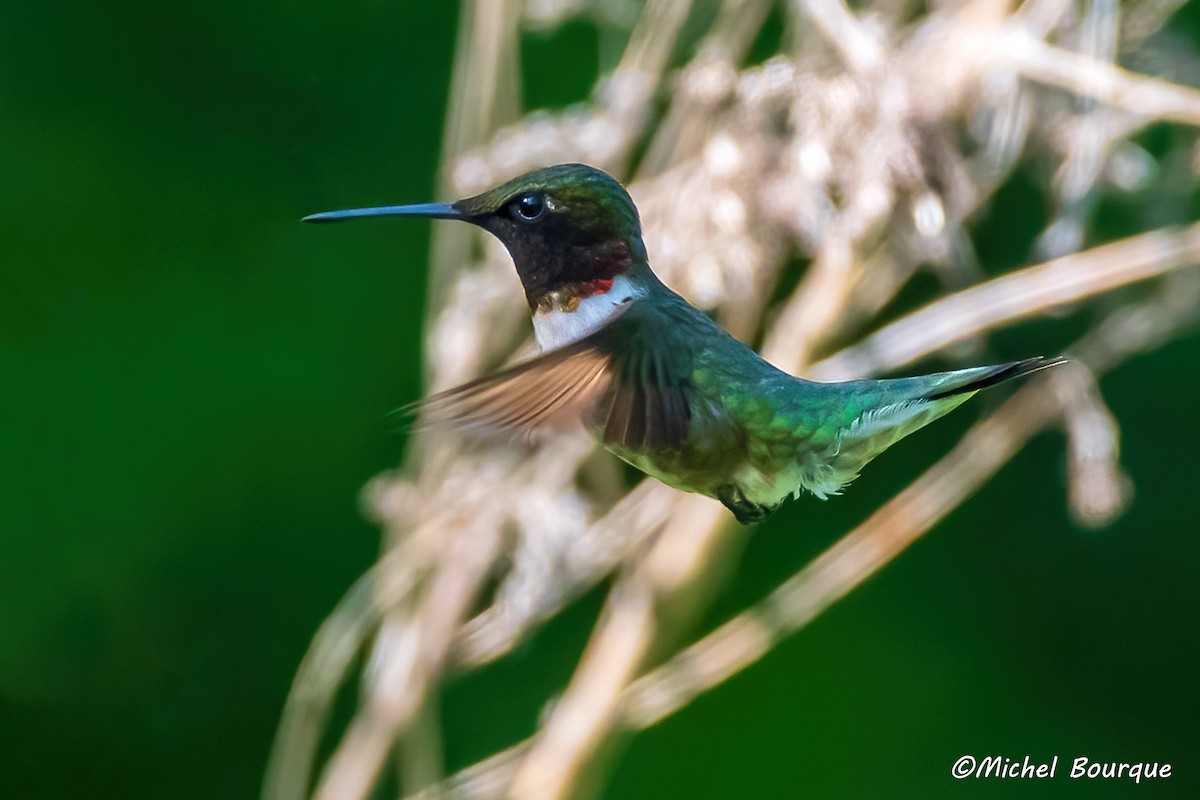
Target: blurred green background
{"x":195,"y":388}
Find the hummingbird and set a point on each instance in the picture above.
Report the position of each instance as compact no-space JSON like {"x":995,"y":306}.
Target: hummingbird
{"x":655,"y":379}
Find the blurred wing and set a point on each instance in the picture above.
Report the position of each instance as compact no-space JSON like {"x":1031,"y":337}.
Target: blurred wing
{"x":620,"y":378}
{"x":550,"y":392}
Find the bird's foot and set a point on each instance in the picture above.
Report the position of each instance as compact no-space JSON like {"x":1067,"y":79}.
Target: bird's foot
{"x":743,"y":510}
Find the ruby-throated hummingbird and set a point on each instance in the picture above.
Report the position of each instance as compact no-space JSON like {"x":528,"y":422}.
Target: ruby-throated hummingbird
{"x":660,"y":384}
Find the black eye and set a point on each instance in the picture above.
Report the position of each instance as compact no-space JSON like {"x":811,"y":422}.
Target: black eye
{"x":530,"y":207}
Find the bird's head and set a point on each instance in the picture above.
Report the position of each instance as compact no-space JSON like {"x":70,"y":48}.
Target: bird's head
{"x":570,"y":229}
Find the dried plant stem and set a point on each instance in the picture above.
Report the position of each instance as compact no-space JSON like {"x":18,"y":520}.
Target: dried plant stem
{"x":397,"y":692}
{"x":653,"y":37}
{"x":1086,"y":76}
{"x":1098,"y":489}
{"x":561,"y":752}
{"x":640,"y":514}
{"x":813,"y":312}
{"x":339,"y":641}
{"x":1012,"y":297}
{"x":484,"y":94}
{"x":843,"y":30}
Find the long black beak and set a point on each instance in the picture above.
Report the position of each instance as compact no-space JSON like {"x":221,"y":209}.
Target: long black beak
{"x":435,"y":210}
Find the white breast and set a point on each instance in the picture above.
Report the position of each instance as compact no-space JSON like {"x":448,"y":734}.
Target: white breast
{"x":558,"y":328}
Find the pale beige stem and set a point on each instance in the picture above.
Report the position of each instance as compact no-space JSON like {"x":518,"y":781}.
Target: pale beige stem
{"x":654,"y":36}
{"x":1143,"y":96}
{"x":566,"y":743}
{"x":631,"y":625}
{"x":409,"y":664}
{"x":813,"y":312}
{"x":1098,"y":490}
{"x":857,"y":47}
{"x":1012,"y":297}
{"x":484,"y":94}
{"x":342,"y":636}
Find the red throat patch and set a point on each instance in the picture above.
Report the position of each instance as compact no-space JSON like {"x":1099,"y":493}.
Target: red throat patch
{"x":612,"y":260}
{"x":594,"y":287}
{"x":569,"y":297}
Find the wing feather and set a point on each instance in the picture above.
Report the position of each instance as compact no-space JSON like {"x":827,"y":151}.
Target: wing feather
{"x":620,"y":379}
{"x":550,"y":392}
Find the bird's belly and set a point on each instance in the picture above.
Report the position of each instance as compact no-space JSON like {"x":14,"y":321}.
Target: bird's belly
{"x":818,"y":471}
{"x":707,"y":472}
{"x":668,"y":467}
{"x":762,"y":482}
{"x":771,"y":487}
{"x":692,"y":469}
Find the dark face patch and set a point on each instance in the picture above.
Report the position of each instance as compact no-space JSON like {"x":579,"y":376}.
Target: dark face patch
{"x":568,"y":229}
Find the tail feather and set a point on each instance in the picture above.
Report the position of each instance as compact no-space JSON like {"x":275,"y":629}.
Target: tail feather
{"x":999,"y":374}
